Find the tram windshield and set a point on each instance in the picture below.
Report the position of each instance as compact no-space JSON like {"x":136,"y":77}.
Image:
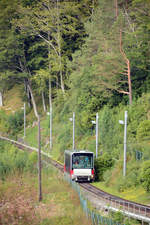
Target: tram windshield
{"x":82,"y":161}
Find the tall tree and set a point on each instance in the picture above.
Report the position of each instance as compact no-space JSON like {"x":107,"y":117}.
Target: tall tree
{"x":8,"y":45}
{"x":137,"y":42}
{"x":127,"y":61}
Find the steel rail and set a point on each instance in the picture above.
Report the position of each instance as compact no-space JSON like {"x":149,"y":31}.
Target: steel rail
{"x":113,"y":198}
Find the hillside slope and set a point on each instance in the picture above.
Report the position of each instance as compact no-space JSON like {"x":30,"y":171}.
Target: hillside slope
{"x":110,"y":142}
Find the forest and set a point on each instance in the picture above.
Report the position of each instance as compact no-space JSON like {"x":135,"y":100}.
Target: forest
{"x":83,"y":56}
{"x":95,"y":52}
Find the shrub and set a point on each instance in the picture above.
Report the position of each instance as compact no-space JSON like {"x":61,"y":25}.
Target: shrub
{"x":117,"y":216}
{"x":12,"y":159}
{"x":31,"y":164}
{"x":145,"y":175}
{"x":131,"y":180}
{"x":102,"y":163}
{"x":3,"y":121}
{"x":143,"y":131}
{"x":15,"y":122}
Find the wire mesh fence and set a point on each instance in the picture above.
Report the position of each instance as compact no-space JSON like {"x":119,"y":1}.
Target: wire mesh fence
{"x":92,"y":214}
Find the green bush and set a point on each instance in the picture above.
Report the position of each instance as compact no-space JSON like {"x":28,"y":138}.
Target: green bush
{"x":12,"y":123}
{"x":143,"y":131}
{"x":145,"y":175}
{"x":3,"y":121}
{"x":31,"y":164}
{"x":117,"y":216}
{"x":102,"y":164}
{"x":15,"y":122}
{"x":131,"y":180}
{"x":12,"y":159}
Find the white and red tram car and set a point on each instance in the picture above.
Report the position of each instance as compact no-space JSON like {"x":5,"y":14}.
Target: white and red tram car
{"x":79,"y":165}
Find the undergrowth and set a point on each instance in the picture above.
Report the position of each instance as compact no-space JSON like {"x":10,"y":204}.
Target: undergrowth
{"x":19,"y":193}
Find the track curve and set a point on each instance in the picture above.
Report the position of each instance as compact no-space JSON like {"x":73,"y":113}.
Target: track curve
{"x":123,"y":202}
{"x":108,"y":198}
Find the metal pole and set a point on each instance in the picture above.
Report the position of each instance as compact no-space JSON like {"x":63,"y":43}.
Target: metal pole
{"x":24,"y":120}
{"x":73,"y":130}
{"x":125,"y":143}
{"x":39,"y":160}
{"x":50,"y":125}
{"x":97,"y":134}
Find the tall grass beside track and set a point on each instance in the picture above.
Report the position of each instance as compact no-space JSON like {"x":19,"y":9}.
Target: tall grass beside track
{"x":19,"y":193}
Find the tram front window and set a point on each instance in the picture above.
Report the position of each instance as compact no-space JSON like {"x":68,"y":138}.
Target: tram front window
{"x":82,"y":161}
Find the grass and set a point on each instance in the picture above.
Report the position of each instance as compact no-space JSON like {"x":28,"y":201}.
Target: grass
{"x":13,"y":99}
{"x":19,"y":194}
{"x":19,"y":201}
{"x":136,"y":194}
{"x":32,"y":138}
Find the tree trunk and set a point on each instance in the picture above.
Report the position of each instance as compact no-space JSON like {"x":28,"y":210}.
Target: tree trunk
{"x":93,"y":7}
{"x":59,"y":50}
{"x":128,"y":68}
{"x":125,"y":58}
{"x":61,"y":74}
{"x":23,"y":68}
{"x":33,"y":101}
{"x":27,"y":92}
{"x":116,"y":8}
{"x":43,"y":101}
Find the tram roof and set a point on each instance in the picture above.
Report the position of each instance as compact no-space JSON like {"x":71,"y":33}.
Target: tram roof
{"x":70,"y":152}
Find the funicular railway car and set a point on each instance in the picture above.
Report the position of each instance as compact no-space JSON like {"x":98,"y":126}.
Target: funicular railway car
{"x":79,"y":165}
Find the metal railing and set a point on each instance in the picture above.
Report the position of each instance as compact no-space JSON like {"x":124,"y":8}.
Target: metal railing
{"x":93,"y":215}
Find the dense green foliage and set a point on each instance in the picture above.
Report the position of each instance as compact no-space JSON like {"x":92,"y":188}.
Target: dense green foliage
{"x":145,"y":175}
{"x":19,"y":199}
{"x":102,"y":164}
{"x":77,"y":45}
{"x":78,"y":54}
{"x":12,"y":123}
{"x":12,"y":160}
{"x":15,"y":122}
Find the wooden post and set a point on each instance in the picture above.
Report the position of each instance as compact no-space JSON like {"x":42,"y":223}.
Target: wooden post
{"x":39,"y":141}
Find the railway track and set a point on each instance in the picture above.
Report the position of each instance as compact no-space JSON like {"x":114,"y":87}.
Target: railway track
{"x":134,"y":209}
{"x":113,"y":200}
